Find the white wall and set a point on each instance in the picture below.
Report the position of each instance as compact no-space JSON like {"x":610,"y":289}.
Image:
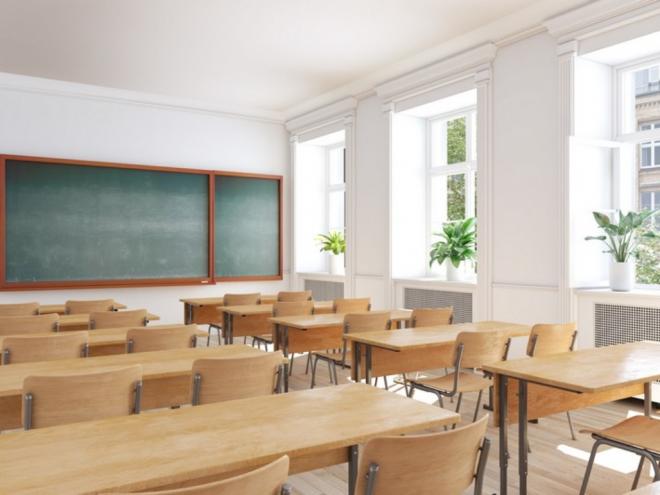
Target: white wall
{"x":74,"y":127}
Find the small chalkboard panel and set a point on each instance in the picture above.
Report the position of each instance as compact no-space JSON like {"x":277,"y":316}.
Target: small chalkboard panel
{"x":72,"y":222}
{"x":247,"y":227}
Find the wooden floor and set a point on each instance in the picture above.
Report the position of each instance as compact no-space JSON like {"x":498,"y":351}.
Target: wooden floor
{"x":556,"y":465}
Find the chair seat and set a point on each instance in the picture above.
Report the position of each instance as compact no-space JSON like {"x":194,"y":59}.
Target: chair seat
{"x":639,"y":431}
{"x":268,"y":338}
{"x":467,"y":382}
{"x":334,"y":356}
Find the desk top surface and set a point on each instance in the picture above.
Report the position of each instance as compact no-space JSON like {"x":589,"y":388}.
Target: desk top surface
{"x":262,"y":309}
{"x":61,"y":309}
{"x":330,"y":319}
{"x":588,"y":370}
{"x":155,"y":364}
{"x":219,"y":300}
{"x":421,"y":337}
{"x":83,"y":319}
{"x":150,"y":450}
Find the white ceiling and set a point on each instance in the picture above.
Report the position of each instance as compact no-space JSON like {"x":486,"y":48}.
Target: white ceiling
{"x":257,"y":55}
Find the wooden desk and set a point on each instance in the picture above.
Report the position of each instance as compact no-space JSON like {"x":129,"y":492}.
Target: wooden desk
{"x":204,"y":310}
{"x":317,"y":332}
{"x":252,"y":320}
{"x":81,"y":321}
{"x":166,"y":375}
{"x":60,"y":308}
{"x":541,"y":386}
{"x":415,"y":349}
{"x":193,"y":445}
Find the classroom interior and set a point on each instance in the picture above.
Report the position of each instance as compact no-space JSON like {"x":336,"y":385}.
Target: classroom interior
{"x":306,"y":248}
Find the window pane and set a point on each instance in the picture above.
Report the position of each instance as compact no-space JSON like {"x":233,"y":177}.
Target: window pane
{"x":645,"y":155}
{"x":456,"y":197}
{"x":447,"y":200}
{"x":645,"y":200}
{"x":336,"y":211}
{"x":336,"y":166}
{"x":656,"y":153}
{"x":648,"y":261}
{"x":456,"y":145}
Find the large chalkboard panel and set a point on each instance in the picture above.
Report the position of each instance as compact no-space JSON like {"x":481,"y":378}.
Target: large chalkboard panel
{"x":247,"y":227}
{"x":71,"y":222}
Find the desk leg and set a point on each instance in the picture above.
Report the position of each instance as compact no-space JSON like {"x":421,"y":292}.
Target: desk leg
{"x":228,"y":321}
{"x":367,"y":364}
{"x":276,"y":337}
{"x":285,"y":376}
{"x":357,"y":355}
{"x":352,"y":468}
{"x":648,"y":399}
{"x":522,"y":435}
{"x":504,"y":440}
{"x":189,"y":313}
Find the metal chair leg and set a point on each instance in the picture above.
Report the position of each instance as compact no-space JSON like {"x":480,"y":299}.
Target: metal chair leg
{"x":638,"y":473}
{"x":387,"y":387}
{"x":309,"y":362}
{"x":570,"y":425}
{"x":316,"y":361}
{"x":334,"y":372}
{"x":411,"y":391}
{"x":590,"y":465}
{"x":291,"y":356}
{"x":330,"y":371}
{"x":476,"y":409}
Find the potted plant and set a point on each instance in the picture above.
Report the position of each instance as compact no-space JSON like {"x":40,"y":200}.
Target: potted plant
{"x":621,"y":240}
{"x":335,"y":244}
{"x":457,"y":244}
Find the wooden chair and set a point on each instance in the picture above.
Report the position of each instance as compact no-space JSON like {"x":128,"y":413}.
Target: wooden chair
{"x":143,"y":339}
{"x":366,"y":321}
{"x":446,"y":462}
{"x":115,"y":319}
{"x":303,"y":295}
{"x":472,"y":351}
{"x":638,"y":434}
{"x":19,"y":309}
{"x":30,"y":348}
{"x":546,"y":339}
{"x":429,"y":317}
{"x":233,"y":300}
{"x":61,"y":399}
{"x":351,"y":305}
{"x":288,"y":308}
{"x":88,"y":306}
{"x":23,"y":325}
{"x":221,"y":379}
{"x":267,"y":480}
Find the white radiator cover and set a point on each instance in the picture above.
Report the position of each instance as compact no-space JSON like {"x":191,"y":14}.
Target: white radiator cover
{"x":433,"y":298}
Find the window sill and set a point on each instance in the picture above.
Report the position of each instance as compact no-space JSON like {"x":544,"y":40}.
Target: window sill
{"x":324,"y":276}
{"x":607,"y":293}
{"x":466,"y":286}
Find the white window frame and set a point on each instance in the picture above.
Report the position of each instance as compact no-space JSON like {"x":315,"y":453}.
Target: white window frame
{"x":331,"y":188}
{"x":468,"y":167}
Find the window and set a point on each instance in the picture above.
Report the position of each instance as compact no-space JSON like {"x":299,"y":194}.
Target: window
{"x":336,"y":190}
{"x":451,"y":171}
{"x":650,"y":150}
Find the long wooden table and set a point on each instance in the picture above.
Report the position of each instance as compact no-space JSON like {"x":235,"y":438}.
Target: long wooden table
{"x":81,"y":321}
{"x":108,"y":341}
{"x":415,"y":349}
{"x":532,"y":388}
{"x":204,"y":310}
{"x":252,"y":320}
{"x":166,"y":375}
{"x":317,"y":332}
{"x":61,"y":308}
{"x":194,"y":445}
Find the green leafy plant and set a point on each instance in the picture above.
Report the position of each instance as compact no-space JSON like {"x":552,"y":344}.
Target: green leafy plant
{"x":333,"y":242}
{"x":457,"y":243}
{"x":622,"y":238}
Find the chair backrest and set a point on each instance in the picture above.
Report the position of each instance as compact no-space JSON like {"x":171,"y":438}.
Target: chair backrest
{"x":30,"y":348}
{"x":351,"y":305}
{"x":444,"y":462}
{"x":428,"y":317}
{"x":241,"y":299}
{"x":88,"y":306}
{"x":546,"y":339}
{"x":20,"y":325}
{"x":61,"y":399}
{"x":300,"y":308}
{"x":220,"y":379}
{"x":115,"y":319}
{"x":266,"y":480}
{"x":481,"y":348}
{"x":19,"y":309}
{"x":144,"y":339}
{"x":288,"y":296}
{"x":367,"y":321}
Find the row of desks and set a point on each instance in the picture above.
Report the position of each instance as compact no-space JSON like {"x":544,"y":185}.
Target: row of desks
{"x":81,"y":321}
{"x":45,"y":309}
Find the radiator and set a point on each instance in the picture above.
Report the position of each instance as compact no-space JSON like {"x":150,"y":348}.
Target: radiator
{"x":616,"y":324}
{"x":430,"y":298}
{"x":325,"y":291}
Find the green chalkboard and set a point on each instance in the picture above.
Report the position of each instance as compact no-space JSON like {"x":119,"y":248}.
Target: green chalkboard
{"x":67,"y":222}
{"x":247,"y":227}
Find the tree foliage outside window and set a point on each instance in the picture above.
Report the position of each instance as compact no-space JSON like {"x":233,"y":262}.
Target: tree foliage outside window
{"x":456,"y":153}
{"x":456,"y":149}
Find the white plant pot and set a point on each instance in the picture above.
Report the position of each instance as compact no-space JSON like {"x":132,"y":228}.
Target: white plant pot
{"x":622,"y":276}
{"x":337,"y":264}
{"x":454,"y":274}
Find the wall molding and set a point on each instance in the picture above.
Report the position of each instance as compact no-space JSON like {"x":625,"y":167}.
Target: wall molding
{"x":338,"y":111}
{"x":53,"y":87}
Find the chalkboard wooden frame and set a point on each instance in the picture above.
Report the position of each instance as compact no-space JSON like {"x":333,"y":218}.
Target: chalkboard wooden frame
{"x":210,"y":279}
